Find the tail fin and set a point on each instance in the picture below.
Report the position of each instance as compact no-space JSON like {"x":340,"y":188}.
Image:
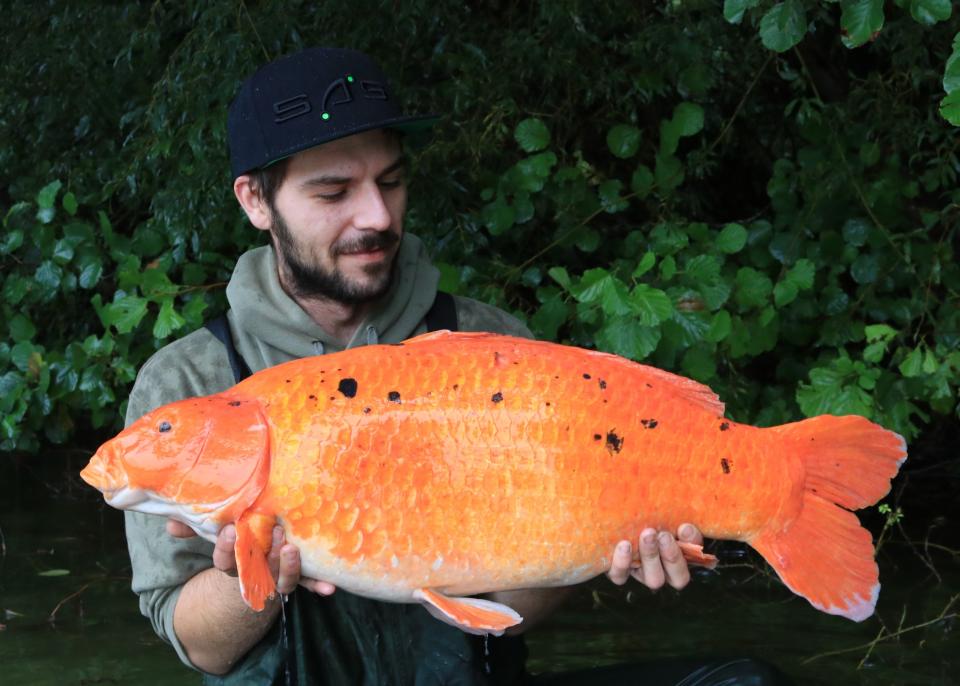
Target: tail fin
{"x":824,"y":554}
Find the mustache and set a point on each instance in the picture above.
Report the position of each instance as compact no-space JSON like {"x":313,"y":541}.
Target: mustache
{"x":366,"y":242}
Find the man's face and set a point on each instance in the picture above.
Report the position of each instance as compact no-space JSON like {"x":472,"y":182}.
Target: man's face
{"x":338,"y":218}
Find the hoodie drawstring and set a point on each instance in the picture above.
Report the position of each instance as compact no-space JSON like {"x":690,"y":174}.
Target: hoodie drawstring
{"x":318,"y":347}
{"x":372,"y":337}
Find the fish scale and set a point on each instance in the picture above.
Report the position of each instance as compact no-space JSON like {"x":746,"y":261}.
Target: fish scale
{"x":457,"y":463}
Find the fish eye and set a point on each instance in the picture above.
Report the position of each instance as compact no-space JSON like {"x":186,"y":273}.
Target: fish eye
{"x":164,"y":427}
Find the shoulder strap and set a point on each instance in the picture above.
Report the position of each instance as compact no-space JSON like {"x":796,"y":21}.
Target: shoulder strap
{"x":443,"y":313}
{"x":221,"y":329}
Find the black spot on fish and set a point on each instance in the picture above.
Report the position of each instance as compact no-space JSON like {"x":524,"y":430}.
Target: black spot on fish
{"x":652,"y":424}
{"x":725,"y":465}
{"x":456,"y":387}
{"x":649,"y":386}
{"x":614,"y":442}
{"x":548,"y":403}
{"x":288,"y":381}
{"x":164,"y":427}
{"x":348,"y":387}
{"x":586,"y":376}
{"x":597,"y":437}
{"x":234,"y":403}
{"x":724,"y":426}
{"x":312,"y":397}
{"x":393,"y":396}
{"x":332,"y":398}
{"x":603,"y":384}
{"x":366,"y":410}
{"x":497,"y":397}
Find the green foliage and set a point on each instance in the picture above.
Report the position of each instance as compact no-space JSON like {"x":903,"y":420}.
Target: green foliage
{"x":732,"y":194}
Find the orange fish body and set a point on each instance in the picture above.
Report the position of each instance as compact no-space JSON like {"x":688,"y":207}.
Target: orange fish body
{"x":456,"y":464}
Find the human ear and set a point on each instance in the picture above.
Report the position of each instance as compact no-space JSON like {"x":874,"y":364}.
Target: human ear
{"x":252,"y":202}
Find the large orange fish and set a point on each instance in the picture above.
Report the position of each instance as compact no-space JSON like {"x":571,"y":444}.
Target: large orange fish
{"x":460,"y":463}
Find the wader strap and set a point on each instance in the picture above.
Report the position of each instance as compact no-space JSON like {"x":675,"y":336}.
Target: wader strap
{"x":442,"y":315}
{"x":221,"y":329}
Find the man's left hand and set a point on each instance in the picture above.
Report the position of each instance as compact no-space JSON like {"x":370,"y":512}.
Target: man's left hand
{"x":661,"y":560}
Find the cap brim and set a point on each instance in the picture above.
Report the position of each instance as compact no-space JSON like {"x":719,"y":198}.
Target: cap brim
{"x":415,"y":125}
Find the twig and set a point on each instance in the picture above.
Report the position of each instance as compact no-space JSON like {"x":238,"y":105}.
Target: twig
{"x":740,"y":105}
{"x":899,"y":632}
{"x":243,"y":5}
{"x":52,"y":617}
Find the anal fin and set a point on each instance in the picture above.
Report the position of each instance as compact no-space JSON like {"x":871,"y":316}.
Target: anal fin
{"x":254,"y":540}
{"x":472,"y":615}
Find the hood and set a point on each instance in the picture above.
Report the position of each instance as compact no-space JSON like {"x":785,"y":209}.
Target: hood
{"x":269,"y":327}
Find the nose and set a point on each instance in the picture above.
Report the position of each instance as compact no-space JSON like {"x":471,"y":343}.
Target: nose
{"x":372,"y":210}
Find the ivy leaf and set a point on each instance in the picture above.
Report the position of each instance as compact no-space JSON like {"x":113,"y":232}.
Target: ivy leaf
{"x":651,"y":305}
{"x":628,"y":338}
{"x":532,"y":135}
{"x":783,"y":26}
{"x":168,"y":320}
{"x":623,"y":140}
{"x":733,"y":9}
{"x":732,"y":239}
{"x":929,"y":12}
{"x":860,"y":21}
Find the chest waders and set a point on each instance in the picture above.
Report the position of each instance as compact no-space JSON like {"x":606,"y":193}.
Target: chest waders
{"x":344,"y":639}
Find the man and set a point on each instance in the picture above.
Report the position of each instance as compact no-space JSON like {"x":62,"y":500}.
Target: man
{"x":316,"y":155}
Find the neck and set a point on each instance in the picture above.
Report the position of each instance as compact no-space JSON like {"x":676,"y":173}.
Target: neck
{"x":339,"y":320}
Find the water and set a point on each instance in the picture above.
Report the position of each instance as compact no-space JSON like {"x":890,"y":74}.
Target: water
{"x":96,"y":634}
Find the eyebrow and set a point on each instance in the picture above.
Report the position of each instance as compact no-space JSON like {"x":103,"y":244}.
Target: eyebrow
{"x":332,"y":180}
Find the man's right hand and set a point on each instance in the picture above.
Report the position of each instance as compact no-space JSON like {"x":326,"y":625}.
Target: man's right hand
{"x":284,"y":558}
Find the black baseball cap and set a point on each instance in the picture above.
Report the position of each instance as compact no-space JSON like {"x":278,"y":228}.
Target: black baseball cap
{"x":308,"y":98}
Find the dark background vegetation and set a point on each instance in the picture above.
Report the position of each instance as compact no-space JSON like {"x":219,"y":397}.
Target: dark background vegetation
{"x":760,"y":195}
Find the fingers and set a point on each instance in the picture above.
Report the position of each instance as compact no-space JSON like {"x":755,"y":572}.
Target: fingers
{"x":288,"y":575}
{"x":317,"y":586}
{"x":675,"y":570}
{"x":179,"y":529}
{"x":650,"y":573}
{"x":620,"y":567}
{"x":688,"y":533}
{"x":224,"y":557}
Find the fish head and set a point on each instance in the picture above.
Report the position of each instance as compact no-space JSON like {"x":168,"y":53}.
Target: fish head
{"x":201,"y":461}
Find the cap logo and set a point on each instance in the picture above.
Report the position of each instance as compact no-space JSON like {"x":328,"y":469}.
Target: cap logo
{"x":338,"y":92}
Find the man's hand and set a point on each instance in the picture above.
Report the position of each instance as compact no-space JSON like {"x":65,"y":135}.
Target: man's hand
{"x":284,"y":558}
{"x":661,"y":560}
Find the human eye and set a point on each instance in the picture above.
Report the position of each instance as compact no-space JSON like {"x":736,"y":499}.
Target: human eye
{"x":332,"y":196}
{"x":394,"y":182}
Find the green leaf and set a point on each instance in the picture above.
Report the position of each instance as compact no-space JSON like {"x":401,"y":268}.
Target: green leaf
{"x":833,"y":390}
{"x":48,"y":195}
{"x":950,"y":108}
{"x":784,"y":293}
{"x":11,"y":241}
{"x":125,"y":314}
{"x":856,"y":231}
{"x":547,"y":320}
{"x":699,"y":363}
{"x":610,"y":199}
{"x":668,"y":173}
{"x":532,"y":135}
{"x":929,"y":12}
{"x":645,"y":264}
{"x":860,"y":21}
{"x":732,"y":238}
{"x":879,"y":332}
{"x":168,"y":320}
{"x":865,"y":269}
{"x":498,"y":217}
{"x":592,"y":285}
{"x":21,"y":328}
{"x":689,"y":118}
{"x":703,"y":268}
{"x":720,"y":327}
{"x":626,"y":337}
{"x":951,"y":74}
{"x":623,"y":140}
{"x":559,"y":274}
{"x":642,"y":181}
{"x":753,"y":288}
{"x":70,"y":203}
{"x":48,"y":277}
{"x":801,"y":274}
{"x":54,"y":572}
{"x":650,"y":305}
{"x":90,"y":272}
{"x":912,"y":364}
{"x":733,"y":9}
{"x":783,"y":26}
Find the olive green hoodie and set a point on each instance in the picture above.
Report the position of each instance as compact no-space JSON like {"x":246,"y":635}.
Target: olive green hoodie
{"x":270,"y":328}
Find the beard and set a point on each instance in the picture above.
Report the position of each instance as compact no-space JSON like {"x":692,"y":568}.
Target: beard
{"x":311,"y":280}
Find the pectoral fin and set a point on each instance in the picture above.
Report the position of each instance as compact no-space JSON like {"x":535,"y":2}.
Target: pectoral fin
{"x":472,"y":615}
{"x":254,"y":540}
